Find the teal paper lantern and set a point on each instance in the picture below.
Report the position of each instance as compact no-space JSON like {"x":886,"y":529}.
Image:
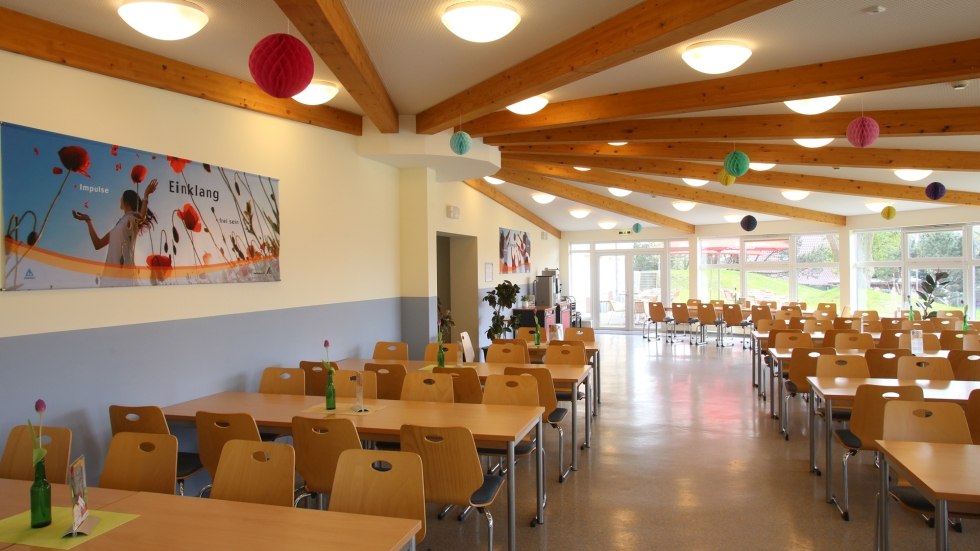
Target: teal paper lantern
{"x":460,"y":143}
{"x":737,"y":163}
{"x":637,"y":227}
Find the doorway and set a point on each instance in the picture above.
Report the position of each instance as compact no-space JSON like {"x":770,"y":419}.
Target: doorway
{"x":457,"y":281}
{"x":625,"y":283}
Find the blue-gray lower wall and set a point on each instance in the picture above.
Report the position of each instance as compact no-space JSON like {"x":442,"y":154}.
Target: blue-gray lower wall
{"x":80,"y":373}
{"x":418,"y":323}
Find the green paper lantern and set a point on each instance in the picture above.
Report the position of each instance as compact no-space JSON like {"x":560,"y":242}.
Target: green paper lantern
{"x":724,"y":178}
{"x":637,"y":227}
{"x":737,"y":163}
{"x":460,"y":143}
{"x":888,"y":212}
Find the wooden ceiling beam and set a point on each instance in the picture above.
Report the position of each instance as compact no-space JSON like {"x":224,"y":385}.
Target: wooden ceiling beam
{"x":328,"y":28}
{"x":496,"y":195}
{"x":551,"y":186}
{"x":664,"y":189}
{"x":948,"y":121}
{"x":765,"y":153}
{"x":769,"y":178}
{"x":638,"y":31}
{"x":929,"y":65}
{"x":32,"y":37}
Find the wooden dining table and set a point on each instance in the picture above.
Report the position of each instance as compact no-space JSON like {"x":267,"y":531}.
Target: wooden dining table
{"x":594,"y":357}
{"x":500,"y":425}
{"x":165,"y":522}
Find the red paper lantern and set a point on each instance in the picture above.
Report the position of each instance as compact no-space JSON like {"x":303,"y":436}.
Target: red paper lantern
{"x":863,"y":131}
{"x":281,"y":65}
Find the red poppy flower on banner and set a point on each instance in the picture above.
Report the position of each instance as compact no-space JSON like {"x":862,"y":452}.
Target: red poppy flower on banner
{"x":177,"y":163}
{"x":75,"y":159}
{"x":138,"y":173}
{"x":159,"y":261}
{"x":114,"y":150}
{"x":57,"y":170}
{"x":192,"y":220}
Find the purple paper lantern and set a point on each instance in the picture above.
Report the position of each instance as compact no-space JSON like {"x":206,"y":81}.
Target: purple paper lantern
{"x":748,"y":222}
{"x":737,"y":163}
{"x":935,"y":191}
{"x":281,"y":65}
{"x":863,"y":131}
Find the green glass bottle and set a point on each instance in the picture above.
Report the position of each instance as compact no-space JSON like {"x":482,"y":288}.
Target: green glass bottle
{"x":537,"y":331}
{"x":40,"y":498}
{"x":331,"y":391}
{"x":441,"y":354}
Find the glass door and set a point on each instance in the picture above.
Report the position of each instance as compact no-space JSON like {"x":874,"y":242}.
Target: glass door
{"x":626,"y":282}
{"x":612,"y":292}
{"x":647,"y":286}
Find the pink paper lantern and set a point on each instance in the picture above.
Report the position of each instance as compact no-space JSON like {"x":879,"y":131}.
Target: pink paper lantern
{"x":863,"y":131}
{"x":281,"y":65}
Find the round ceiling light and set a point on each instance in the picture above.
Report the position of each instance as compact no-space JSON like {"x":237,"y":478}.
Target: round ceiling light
{"x":528,"y":106}
{"x":877,"y":206}
{"x":607,"y":224}
{"x":582,"y":168}
{"x":684,"y":206}
{"x":317,"y":93}
{"x":813,"y":106}
{"x":542,"y":198}
{"x":619,"y":192}
{"x":493,"y":181}
{"x":760,"y":167}
{"x":912,"y":174}
{"x":480,"y":20}
{"x":795,"y":194}
{"x":579,"y":213}
{"x":813,"y":143}
{"x":694,"y":182}
{"x":617,"y":144}
{"x":715,"y":57}
{"x":733,"y":218}
{"x":163,"y":19}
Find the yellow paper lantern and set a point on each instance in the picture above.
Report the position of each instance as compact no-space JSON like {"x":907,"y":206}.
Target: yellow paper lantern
{"x":888,"y":212}
{"x":724,"y":178}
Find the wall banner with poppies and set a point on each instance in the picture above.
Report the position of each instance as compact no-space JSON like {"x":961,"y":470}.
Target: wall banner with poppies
{"x":79,"y":213}
{"x":515,"y":252}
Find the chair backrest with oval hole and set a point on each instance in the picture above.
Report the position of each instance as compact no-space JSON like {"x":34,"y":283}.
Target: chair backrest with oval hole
{"x":916,"y":367}
{"x":214,"y":430}
{"x":774,"y":335}
{"x":680,"y":312}
{"x":380,"y":483}
{"x":952,"y":339}
{"x":707,"y":315}
{"x":889,"y":338}
{"x":760,"y":312}
{"x":867,"y":315}
{"x":520,"y":343}
{"x":255,"y":472}
{"x":732,"y":314}
{"x":148,"y":419}
{"x":141,"y":462}
{"x":507,"y":353}
{"x":883,"y":362}
{"x":345,"y":383}
{"x":973,"y":415}
{"x":17,"y":461}
{"x":853,"y":341}
{"x":783,"y":315}
{"x":830,"y":335}
{"x":283,"y":380}
{"x":930,"y":342}
{"x":693,"y":301}
{"x":803,"y":364}
{"x":391,"y":378}
{"x":966,"y":364}
{"x":895,"y":324}
{"x":449,"y":351}
{"x":450,"y":452}
{"x":584,"y":334}
{"x":387,"y":350}
{"x":828,"y":307}
{"x":420,"y":386}
{"x":469,"y":353}
{"x":794,"y":311}
{"x":566,"y":353}
{"x":316,"y":376}
{"x":813,"y":325}
{"x":919,"y":421}
{"x":466,"y":384}
{"x":788,"y":340}
{"x":868,"y":415}
{"x":546,"y":385}
{"x":510,"y":390}
{"x":527,"y":334}
{"x":847,"y":323}
{"x":318,"y":444}
{"x":656,"y":312}
{"x":972,"y":342}
{"x":855,"y":367}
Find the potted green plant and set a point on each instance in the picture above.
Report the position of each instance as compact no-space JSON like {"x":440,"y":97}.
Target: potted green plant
{"x":500,"y":298}
{"x":524,"y":301}
{"x":446,"y":322}
{"x":931,"y":290}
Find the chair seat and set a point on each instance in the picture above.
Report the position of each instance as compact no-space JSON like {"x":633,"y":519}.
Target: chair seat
{"x":188,"y":463}
{"x":841,"y":414}
{"x":488,"y":491}
{"x":523,"y":448}
{"x":848,"y":439}
{"x":911,"y":498}
{"x":791,"y":386}
{"x":558,"y":415}
{"x":566,"y":395}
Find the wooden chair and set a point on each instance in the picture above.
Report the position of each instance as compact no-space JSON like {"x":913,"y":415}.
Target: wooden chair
{"x":851,"y":367}
{"x":283,"y":380}
{"x":316,"y":376}
{"x":469,"y":353}
{"x":770,"y":325}
{"x":553,"y":415}
{"x":214,"y":430}
{"x":760,"y":312}
{"x":708,"y":317}
{"x":813,"y":325}
{"x":783,"y":315}
{"x":391,"y":377}
{"x":950,"y":314}
{"x":449,"y":350}
{"x":895,"y":324}
{"x":800,"y":305}
{"x":930,"y":342}
{"x":854,"y":341}
{"x":883,"y":362}
{"x":682,"y":316}
{"x":732,"y":316}
{"x":924,"y":324}
{"x":656,"y":316}
{"x":946,"y":324}
{"x":345,"y":383}
{"x":527,"y":334}
{"x":873,"y":327}
{"x":151,"y":420}
{"x":951,"y":339}
{"x":770,"y":303}
{"x":972,"y":342}
{"x":973,"y":325}
{"x":794,"y":311}
{"x":788,"y":340}
{"x":584,"y":334}
{"x":508,"y":353}
{"x":510,"y":390}
{"x":866,"y":424}
{"x":847,"y":323}
{"x":866,"y":315}
{"x":382,"y":483}
{"x":973,"y":415}
{"x":916,"y":315}
{"x":318,"y":444}
{"x":932,"y":369}
{"x":466,"y":384}
{"x":966,"y":364}
{"x":385,"y":350}
{"x":890,"y":337}
{"x":830,"y":335}
{"x":141,"y":462}
{"x":18,"y":456}
{"x":828,"y":310}
{"x":427,"y":387}
{"x":693,"y":301}
{"x":520,"y":343}
{"x":451,"y":452}
{"x":255,"y":472}
{"x":802,"y":364}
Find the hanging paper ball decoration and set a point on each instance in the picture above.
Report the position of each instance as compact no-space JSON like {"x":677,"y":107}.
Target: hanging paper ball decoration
{"x":737,"y":163}
{"x":281,"y":65}
{"x":888,"y":212}
{"x":863,"y":131}
{"x":935,"y":191}
{"x":637,"y":227}
{"x":724,"y":178}
{"x":460,"y":143}
{"x":748,"y":222}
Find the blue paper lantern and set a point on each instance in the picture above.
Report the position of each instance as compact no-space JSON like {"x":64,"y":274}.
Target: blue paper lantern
{"x":637,"y":227}
{"x":748,"y":222}
{"x":935,"y":191}
{"x":737,"y":163}
{"x":460,"y":143}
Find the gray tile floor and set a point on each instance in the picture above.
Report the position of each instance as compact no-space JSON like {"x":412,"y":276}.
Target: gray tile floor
{"x":684,"y":456}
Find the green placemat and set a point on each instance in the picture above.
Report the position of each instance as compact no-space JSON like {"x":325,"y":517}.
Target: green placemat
{"x":427,"y":368}
{"x":344,"y":408}
{"x":17,"y":529}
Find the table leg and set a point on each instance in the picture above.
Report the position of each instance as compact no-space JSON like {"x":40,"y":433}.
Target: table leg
{"x":512,"y":498}
{"x":597,"y":397}
{"x":828,"y":429}
{"x":755,"y":358}
{"x":772,"y":391}
{"x":942,"y":526}
{"x":778,"y":366}
{"x":540,"y":459}
{"x":574,"y":465}
{"x":588,"y":413}
{"x":811,"y":410}
{"x":883,"y":506}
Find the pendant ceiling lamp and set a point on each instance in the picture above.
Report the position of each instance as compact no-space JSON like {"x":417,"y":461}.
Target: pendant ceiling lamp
{"x":813,"y":106}
{"x":480,"y":20}
{"x":317,"y":93}
{"x":715,"y":57}
{"x":619,"y":192}
{"x":528,"y":106}
{"x":163,"y":19}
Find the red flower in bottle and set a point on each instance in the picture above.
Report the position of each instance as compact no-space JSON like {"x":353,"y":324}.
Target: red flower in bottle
{"x":177,"y":163}
{"x":137,"y":174}
{"x":75,"y":159}
{"x":192,"y":220}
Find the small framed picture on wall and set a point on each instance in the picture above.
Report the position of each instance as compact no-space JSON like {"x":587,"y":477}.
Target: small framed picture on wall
{"x":488,"y":271}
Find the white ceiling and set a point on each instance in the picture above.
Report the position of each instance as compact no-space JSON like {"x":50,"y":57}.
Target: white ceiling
{"x":422,"y":63}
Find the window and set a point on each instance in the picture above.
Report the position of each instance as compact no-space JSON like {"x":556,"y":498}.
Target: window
{"x":818,"y":268}
{"x":680,"y":269}
{"x":936,"y":244}
{"x":767,"y":270}
{"x":879,"y":284}
{"x":719,"y":271}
